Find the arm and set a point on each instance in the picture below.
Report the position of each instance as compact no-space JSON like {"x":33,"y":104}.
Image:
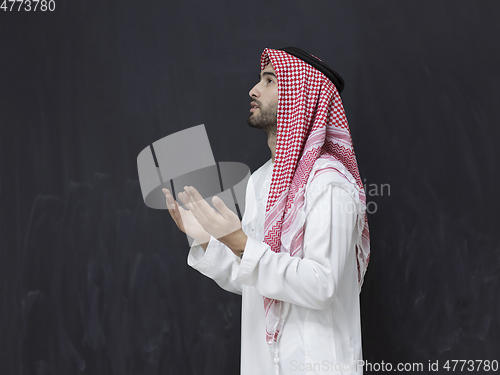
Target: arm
{"x":216,"y":262}
{"x":310,"y":282}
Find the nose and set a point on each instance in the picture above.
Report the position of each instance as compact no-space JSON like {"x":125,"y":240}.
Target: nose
{"x":254,"y":92}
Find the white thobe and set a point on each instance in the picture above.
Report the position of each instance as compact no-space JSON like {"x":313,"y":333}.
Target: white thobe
{"x":322,"y":332}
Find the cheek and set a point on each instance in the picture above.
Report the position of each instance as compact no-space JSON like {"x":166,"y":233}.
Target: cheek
{"x":276,"y":101}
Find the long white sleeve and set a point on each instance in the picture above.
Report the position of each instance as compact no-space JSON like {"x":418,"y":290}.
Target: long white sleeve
{"x":310,"y":282}
{"x":217,"y":262}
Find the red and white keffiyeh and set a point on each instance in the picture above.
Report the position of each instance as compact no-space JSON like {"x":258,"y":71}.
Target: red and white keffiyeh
{"x":311,"y":125}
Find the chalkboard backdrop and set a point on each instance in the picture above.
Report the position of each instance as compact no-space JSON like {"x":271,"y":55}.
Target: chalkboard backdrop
{"x":94,"y":282}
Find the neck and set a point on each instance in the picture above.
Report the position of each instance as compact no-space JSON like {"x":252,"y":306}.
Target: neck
{"x":271,"y":142}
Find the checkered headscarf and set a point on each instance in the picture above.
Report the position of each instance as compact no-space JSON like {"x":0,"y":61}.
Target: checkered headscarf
{"x":311,"y":125}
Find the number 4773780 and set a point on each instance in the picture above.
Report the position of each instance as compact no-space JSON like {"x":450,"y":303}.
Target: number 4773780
{"x":28,"y":5}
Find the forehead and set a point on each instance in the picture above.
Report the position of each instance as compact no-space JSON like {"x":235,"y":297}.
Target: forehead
{"x":269,"y":68}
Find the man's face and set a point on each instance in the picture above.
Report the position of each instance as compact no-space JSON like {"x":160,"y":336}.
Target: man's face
{"x":264,"y":101}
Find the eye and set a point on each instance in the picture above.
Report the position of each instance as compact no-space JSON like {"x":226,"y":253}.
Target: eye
{"x":269,"y":80}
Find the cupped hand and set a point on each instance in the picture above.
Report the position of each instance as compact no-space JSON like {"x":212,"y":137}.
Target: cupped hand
{"x":220,"y":223}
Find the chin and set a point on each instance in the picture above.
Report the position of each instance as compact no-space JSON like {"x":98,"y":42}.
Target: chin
{"x":251,"y":121}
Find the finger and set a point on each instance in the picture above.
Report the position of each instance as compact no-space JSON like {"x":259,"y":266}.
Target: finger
{"x":197,"y":201}
{"x":185,"y":200}
{"x":173,"y":209}
{"x":221,"y":207}
{"x":194,"y":208}
{"x":198,"y":208}
{"x":193,"y":194}
{"x":169,"y":199}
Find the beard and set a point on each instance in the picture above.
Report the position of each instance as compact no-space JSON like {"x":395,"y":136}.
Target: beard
{"x":264,"y":118}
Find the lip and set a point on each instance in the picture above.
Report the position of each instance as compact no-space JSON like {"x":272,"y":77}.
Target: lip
{"x":254,"y":106}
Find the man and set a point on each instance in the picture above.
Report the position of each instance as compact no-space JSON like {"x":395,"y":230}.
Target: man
{"x":300,"y":253}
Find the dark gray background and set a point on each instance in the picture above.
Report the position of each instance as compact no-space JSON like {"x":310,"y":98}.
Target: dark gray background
{"x":94,"y":282}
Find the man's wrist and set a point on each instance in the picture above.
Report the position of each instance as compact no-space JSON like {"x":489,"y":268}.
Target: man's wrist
{"x":236,"y":242}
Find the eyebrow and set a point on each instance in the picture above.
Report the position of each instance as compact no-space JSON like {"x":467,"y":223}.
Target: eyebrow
{"x":268,"y":74}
